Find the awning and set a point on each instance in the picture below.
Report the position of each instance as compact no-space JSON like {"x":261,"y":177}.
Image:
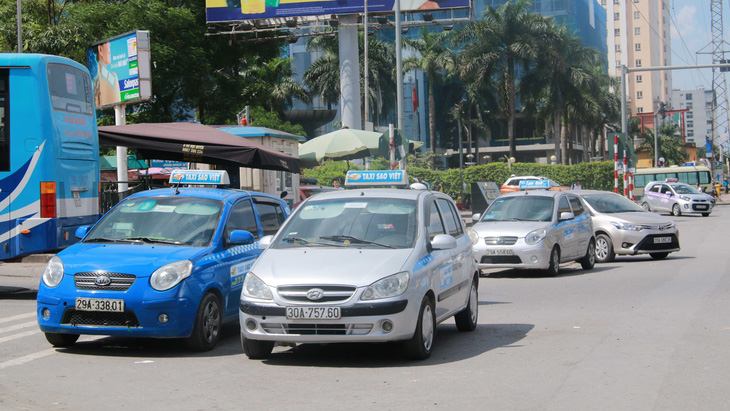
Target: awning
{"x":194,"y":142}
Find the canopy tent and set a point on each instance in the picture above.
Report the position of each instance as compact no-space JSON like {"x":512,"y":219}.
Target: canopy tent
{"x":251,"y":131}
{"x":194,"y":142}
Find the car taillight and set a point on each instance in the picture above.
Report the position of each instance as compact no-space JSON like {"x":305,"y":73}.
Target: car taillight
{"x":48,"y":199}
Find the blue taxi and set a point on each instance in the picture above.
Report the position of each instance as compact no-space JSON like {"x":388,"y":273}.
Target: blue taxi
{"x":165,"y":263}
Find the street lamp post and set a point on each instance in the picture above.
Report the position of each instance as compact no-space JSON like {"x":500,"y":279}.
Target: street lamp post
{"x":553,"y":159}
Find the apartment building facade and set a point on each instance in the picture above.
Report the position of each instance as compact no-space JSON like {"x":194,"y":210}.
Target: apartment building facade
{"x":639,"y":35}
{"x":698,"y":122}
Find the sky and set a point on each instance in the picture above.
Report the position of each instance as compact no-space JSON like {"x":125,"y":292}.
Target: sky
{"x":692,"y":32}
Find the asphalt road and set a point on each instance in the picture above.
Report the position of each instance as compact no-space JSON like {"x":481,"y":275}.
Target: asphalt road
{"x":635,"y":334}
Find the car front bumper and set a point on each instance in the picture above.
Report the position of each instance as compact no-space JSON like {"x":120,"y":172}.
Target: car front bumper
{"x":645,"y":241}
{"x":523,"y":256}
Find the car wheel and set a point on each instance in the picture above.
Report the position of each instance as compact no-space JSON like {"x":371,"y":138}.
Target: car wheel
{"x":645,"y":206}
{"x":676,"y":211}
{"x":420,"y":345}
{"x":255,"y":349}
{"x":604,"y":249}
{"x":589,"y":260}
{"x":554,"y":267}
{"x":705,"y":214}
{"x":466,"y":319}
{"x":658,"y":256}
{"x":208,"y":322}
{"x":62,"y":340}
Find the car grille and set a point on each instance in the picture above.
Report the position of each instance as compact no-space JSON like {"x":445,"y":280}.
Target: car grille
{"x":317,"y":329}
{"x":701,"y":207}
{"x":119,"y":282}
{"x":500,"y":240}
{"x":501,"y":259}
{"x":330,"y":293}
{"x":647,"y":244}
{"x":100,"y":318}
{"x":655,"y":226}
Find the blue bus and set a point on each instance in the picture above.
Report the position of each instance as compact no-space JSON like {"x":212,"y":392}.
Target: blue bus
{"x":49,"y":153}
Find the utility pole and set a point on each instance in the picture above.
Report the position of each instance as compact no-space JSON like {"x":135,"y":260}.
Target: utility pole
{"x":20,"y":26}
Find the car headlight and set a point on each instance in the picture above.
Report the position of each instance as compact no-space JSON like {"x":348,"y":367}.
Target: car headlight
{"x":535,"y":236}
{"x":253,"y":287}
{"x":53,"y":274}
{"x":625,"y":226}
{"x":685,"y":198}
{"x":387,"y":287}
{"x":473,"y":235}
{"x":170,"y":275}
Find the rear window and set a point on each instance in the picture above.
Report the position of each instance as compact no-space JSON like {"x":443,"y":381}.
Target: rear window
{"x":70,"y":89}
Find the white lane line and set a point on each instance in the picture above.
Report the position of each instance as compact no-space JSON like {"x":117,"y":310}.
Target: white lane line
{"x":17,"y":317}
{"x":27,"y":358}
{"x":19,"y":335}
{"x":18,"y":326}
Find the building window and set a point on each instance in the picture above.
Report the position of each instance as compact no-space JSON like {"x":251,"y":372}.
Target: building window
{"x":637,"y":46}
{"x":689,"y":115}
{"x":638,"y":62}
{"x":688,"y":96}
{"x":639,"y":95}
{"x":616,"y":16}
{"x":689,"y":106}
{"x":639,"y":109}
{"x":637,"y":15}
{"x":709,"y":122}
{"x":603,"y":2}
{"x":639,"y":78}
{"x":618,"y":47}
{"x":690,"y":134}
{"x":615,"y":1}
{"x":637,"y":31}
{"x":690,"y":124}
{"x":617,"y":32}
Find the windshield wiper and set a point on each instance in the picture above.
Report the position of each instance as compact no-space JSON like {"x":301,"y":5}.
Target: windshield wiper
{"x":110,"y":240}
{"x":295,"y":240}
{"x":152,"y":240}
{"x":344,"y":238}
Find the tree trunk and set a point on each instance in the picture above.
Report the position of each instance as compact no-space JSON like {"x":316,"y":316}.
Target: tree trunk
{"x":511,"y":95}
{"x":432,"y":121}
{"x":557,"y":130}
{"x":564,"y":142}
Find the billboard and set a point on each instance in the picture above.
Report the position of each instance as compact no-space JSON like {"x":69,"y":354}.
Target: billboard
{"x":120,"y":69}
{"x":218,"y":11}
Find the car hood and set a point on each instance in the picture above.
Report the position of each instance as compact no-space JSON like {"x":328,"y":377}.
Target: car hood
{"x":633,"y":217}
{"x":138,"y":259}
{"x":358,"y":267}
{"x":508,"y":228}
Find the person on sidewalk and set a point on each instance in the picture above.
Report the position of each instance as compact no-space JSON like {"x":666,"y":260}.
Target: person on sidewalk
{"x":576,"y":186}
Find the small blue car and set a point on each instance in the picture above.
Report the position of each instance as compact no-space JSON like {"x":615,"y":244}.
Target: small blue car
{"x":166,"y":263}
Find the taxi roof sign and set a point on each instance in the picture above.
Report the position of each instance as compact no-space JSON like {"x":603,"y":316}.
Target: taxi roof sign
{"x":379,"y":178}
{"x":204,"y":177}
{"x":534,"y":184}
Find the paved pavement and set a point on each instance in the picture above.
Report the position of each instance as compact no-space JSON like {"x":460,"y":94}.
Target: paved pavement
{"x":22,"y":276}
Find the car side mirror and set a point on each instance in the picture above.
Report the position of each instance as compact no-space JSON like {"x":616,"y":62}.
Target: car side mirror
{"x":566,"y":216}
{"x":81,"y":231}
{"x":265,"y":242}
{"x":238,"y":237}
{"x":475,"y":217}
{"x":443,"y":242}
{"x":283,"y":194}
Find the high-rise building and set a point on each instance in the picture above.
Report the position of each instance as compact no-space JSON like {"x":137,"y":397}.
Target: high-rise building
{"x":698,"y":121}
{"x":639,"y":36}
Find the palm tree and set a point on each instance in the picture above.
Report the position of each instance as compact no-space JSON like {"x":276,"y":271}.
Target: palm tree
{"x":506,"y":40}
{"x":323,"y":76}
{"x":435,"y":59}
{"x":669,"y":142}
{"x":272,"y":85}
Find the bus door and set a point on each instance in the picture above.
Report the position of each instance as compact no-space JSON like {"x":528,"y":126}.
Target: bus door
{"x":4,"y":166}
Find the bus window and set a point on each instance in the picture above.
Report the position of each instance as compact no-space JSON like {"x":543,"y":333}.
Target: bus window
{"x":4,"y":126}
{"x":704,"y":177}
{"x":69,"y":89}
{"x":689,"y":178}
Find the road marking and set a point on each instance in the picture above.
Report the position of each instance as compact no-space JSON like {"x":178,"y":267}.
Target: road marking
{"x":16,"y":336}
{"x":18,"y":327}
{"x":17,"y":317}
{"x":27,"y":358}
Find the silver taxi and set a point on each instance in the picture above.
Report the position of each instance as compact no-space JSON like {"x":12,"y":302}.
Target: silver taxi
{"x":535,"y":229}
{"x":362,"y":265}
{"x":676,"y":198}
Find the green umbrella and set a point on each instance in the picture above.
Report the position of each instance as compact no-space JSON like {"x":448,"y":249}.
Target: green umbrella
{"x":343,"y":144}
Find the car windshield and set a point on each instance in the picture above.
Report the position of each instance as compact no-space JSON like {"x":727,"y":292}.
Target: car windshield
{"x":685,"y":189}
{"x":160,"y":220}
{"x":520,"y":208}
{"x":352,"y":222}
{"x":611,"y":203}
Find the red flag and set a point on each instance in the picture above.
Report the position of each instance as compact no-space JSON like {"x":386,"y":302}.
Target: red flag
{"x":415,"y":98}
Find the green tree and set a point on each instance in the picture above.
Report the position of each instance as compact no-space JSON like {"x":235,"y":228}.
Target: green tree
{"x":436,"y":59}
{"x":505,"y":40}
{"x":669,"y":141}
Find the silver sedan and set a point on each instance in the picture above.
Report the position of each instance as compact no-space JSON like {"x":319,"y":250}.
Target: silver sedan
{"x":622,"y":227}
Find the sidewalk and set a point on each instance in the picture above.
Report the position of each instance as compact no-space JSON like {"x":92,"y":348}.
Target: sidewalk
{"x":22,"y":276}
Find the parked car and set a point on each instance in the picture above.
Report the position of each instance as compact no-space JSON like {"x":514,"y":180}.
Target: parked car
{"x":165,"y":263}
{"x":676,"y":198}
{"x":513,"y":183}
{"x":362,"y":265}
{"x":623,"y":227}
{"x":536,"y":229}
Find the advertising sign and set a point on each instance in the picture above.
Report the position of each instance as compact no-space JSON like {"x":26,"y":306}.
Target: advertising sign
{"x":356,"y":178}
{"x":120,"y":69}
{"x":218,"y":11}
